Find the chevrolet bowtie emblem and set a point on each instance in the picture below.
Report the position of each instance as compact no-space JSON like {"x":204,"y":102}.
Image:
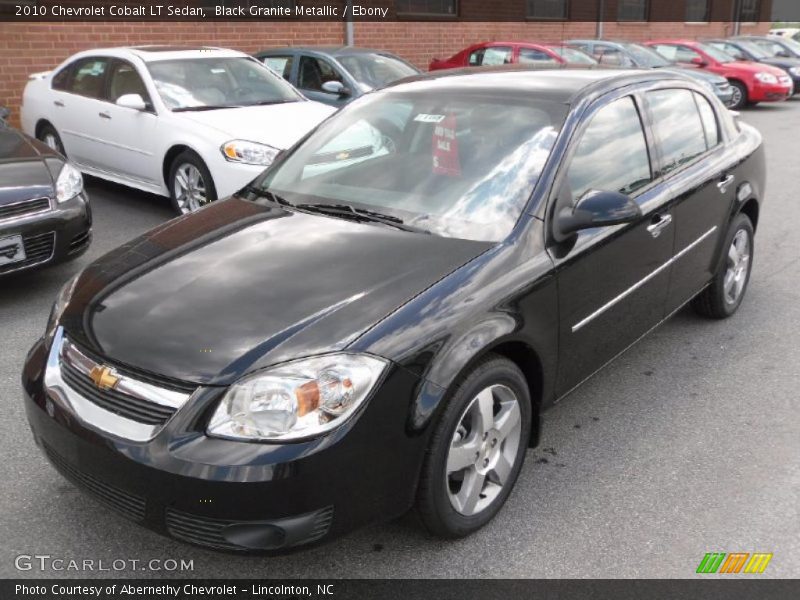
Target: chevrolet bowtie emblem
{"x":103,"y":377}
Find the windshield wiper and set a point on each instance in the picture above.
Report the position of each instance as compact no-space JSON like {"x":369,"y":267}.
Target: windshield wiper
{"x":205,"y":107}
{"x":360,"y":214}
{"x":269,"y":102}
{"x":262,"y":193}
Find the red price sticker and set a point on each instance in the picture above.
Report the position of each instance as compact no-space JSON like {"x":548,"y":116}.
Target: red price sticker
{"x":445,"y":148}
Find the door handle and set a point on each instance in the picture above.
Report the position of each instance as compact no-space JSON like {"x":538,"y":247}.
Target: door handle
{"x":58,"y":103}
{"x":658,"y":224}
{"x":725,"y":183}
{"x":105,"y":115}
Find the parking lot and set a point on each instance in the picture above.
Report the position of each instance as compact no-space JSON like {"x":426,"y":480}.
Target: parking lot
{"x":689,"y":443}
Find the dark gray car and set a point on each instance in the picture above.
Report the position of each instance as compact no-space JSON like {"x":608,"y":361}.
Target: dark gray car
{"x":336,"y":75}
{"x":628,"y":54}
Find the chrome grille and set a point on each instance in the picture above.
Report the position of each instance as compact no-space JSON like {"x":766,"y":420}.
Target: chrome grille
{"x":128,"y":505}
{"x":25,"y":208}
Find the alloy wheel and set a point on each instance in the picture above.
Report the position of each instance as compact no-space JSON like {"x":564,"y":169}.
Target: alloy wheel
{"x":483,"y":450}
{"x":736,"y":99}
{"x":190,"y":188}
{"x":738,"y":264}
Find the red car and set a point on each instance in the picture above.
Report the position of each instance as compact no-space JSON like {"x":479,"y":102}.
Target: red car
{"x":503,"y":53}
{"x":752,"y":82}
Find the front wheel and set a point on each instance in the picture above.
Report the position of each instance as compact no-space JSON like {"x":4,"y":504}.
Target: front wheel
{"x":476,"y":451}
{"x":724,"y":295}
{"x":190,"y":184}
{"x":49,"y":136}
{"x":739,"y":99}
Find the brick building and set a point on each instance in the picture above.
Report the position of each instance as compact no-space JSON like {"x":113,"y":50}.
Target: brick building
{"x":415,"y":29}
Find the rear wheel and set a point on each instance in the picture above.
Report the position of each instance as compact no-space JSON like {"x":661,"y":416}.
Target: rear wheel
{"x":190,"y":184}
{"x":49,"y":136}
{"x":739,"y":99}
{"x":725,"y":294}
{"x":476,"y":451}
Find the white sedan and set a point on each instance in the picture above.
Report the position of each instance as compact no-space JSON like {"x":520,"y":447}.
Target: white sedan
{"x":193,"y":124}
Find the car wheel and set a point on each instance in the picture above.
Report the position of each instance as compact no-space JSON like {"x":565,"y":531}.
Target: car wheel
{"x":190,"y":183}
{"x":725,"y":293}
{"x":49,"y":136}
{"x":739,"y":98}
{"x":476,"y":451}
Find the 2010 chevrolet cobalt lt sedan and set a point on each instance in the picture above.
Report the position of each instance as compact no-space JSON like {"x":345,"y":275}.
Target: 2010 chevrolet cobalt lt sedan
{"x":378,"y":321}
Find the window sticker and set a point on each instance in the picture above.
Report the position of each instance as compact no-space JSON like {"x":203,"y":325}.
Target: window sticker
{"x":445,"y":148}
{"x":423,"y":118}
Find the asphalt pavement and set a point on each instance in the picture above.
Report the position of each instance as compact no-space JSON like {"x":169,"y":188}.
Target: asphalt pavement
{"x":689,"y":443}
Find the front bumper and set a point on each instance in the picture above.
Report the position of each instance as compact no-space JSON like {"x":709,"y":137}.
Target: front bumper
{"x":238,"y":496}
{"x":770,"y":93}
{"x":230,"y":177}
{"x":62,"y":233}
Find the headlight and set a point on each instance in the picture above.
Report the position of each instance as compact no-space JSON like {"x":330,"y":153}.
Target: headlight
{"x":794,"y":71}
{"x":69,"y":183}
{"x":766,"y":78}
{"x":249,"y":153}
{"x":58,"y":307}
{"x":296,"y":400}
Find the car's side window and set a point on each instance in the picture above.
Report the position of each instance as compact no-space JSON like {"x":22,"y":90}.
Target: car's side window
{"x":89,"y":77}
{"x":282,"y":65}
{"x":611,"y":57}
{"x":314,"y":72}
{"x":61,"y":79}
{"x":709,"y":118}
{"x":476,"y":57}
{"x":533,"y":56}
{"x":124,"y":79}
{"x":678,"y":127}
{"x":497,"y":55}
{"x":612,"y":153}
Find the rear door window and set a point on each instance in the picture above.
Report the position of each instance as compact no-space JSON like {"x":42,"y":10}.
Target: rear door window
{"x":612,"y":154}
{"x":89,"y":77}
{"x":709,"y":118}
{"x":316,"y":71}
{"x":493,"y":55}
{"x":282,"y":65}
{"x":533,"y":56}
{"x":678,"y":127}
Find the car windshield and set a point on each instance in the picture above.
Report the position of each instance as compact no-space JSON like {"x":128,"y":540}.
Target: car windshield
{"x":375,"y":70}
{"x":207,"y":83}
{"x":753,"y":49}
{"x":573,"y":56}
{"x":646,"y":57}
{"x":455,"y":164}
{"x":715,"y":53}
{"x":792,"y":44}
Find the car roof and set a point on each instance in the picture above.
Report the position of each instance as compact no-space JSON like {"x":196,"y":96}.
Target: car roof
{"x":158,"y":53}
{"x":559,"y":83}
{"x":331,"y":50}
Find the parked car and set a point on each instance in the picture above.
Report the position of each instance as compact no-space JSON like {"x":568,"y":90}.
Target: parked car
{"x":751,"y":83}
{"x":44,"y":212}
{"x":336,"y":75}
{"x":746,"y":50}
{"x":786,"y":32}
{"x":386,"y":334}
{"x":629,"y":54}
{"x":504,"y":53}
{"x":192,"y":124}
{"x":780,"y":47}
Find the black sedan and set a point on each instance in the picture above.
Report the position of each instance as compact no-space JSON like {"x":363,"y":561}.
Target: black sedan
{"x":379,"y":321}
{"x":44,"y":213}
{"x":746,"y":49}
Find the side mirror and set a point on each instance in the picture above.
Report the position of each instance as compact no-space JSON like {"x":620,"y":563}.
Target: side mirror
{"x":699,"y":62}
{"x":597,"y":209}
{"x":134,"y":101}
{"x":335,"y":87}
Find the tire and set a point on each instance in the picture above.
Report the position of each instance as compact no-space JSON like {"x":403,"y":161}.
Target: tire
{"x":724,"y":295}
{"x":445,"y":506}
{"x":50,"y":137}
{"x":739,"y":100}
{"x":195,"y":186}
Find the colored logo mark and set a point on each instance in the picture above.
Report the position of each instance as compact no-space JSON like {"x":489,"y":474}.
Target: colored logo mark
{"x":734,"y":562}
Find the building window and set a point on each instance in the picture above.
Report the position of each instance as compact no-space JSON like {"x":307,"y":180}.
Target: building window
{"x":447,"y":8}
{"x":547,"y":9}
{"x":632,"y":10}
{"x":750,"y":11}
{"x":697,"y":11}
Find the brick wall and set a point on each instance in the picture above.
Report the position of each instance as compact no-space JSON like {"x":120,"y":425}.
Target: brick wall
{"x":31,"y":47}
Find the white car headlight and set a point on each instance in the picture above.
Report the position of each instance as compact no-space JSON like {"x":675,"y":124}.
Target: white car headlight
{"x":64,"y":295}
{"x":766,"y":78}
{"x":795,"y":71}
{"x":69,"y":183}
{"x":298,"y":399}
{"x":250,"y":153}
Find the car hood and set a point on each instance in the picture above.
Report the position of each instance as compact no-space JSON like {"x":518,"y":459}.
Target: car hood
{"x":23,"y":172}
{"x":753,"y":67}
{"x":781,"y":62}
{"x":239,"y":285}
{"x":278,"y":125}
